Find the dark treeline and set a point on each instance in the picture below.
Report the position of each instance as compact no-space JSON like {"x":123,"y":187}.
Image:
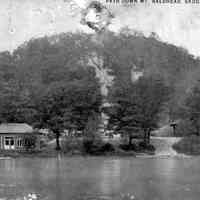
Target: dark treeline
{"x":51,"y":82}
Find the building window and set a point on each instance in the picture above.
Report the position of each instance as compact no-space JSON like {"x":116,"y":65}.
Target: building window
{"x":12,"y":142}
{"x":9,"y":142}
{"x":19,"y":142}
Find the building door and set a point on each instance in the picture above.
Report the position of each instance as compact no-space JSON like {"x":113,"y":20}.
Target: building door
{"x":9,"y":143}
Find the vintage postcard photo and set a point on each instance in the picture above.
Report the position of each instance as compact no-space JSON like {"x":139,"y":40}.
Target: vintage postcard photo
{"x":100,"y":100}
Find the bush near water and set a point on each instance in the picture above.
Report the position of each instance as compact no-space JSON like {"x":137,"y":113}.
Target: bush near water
{"x":189,"y":145}
{"x":98,"y":147}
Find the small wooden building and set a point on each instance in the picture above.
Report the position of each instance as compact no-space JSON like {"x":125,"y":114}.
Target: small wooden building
{"x":12,"y":135}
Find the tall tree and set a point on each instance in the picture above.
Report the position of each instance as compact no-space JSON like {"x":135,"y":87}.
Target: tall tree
{"x":192,"y":109}
{"x":136,"y":106}
{"x":68,"y":105}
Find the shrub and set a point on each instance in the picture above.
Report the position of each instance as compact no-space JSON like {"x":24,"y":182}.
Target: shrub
{"x":43,"y":144}
{"x":185,"y":128}
{"x":127,"y":147}
{"x":107,"y":148}
{"x":144,"y":146}
{"x":71,"y":145}
{"x":188,"y":145}
{"x":137,"y":147}
{"x":97,"y":147}
{"x":87,"y":145}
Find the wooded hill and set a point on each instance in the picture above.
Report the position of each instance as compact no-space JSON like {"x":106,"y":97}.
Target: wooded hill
{"x":48,"y":67}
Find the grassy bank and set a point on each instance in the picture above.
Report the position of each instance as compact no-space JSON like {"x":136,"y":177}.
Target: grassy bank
{"x":76,"y":147}
{"x":100,"y":147}
{"x":47,"y":153}
{"x":188,"y":145}
{"x":38,"y":153}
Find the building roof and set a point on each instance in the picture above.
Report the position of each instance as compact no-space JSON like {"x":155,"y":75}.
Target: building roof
{"x":15,"y":128}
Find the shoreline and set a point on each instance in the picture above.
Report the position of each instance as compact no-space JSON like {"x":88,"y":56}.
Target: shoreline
{"x":12,"y":155}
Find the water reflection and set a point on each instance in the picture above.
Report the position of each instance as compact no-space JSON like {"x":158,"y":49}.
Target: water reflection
{"x":101,"y":178}
{"x":110,"y":176}
{"x":162,"y":180}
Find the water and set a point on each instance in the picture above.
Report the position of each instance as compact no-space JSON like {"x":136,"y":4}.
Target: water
{"x":93,"y":178}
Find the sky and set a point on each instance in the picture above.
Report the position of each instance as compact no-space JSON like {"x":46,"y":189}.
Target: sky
{"x":21,"y":20}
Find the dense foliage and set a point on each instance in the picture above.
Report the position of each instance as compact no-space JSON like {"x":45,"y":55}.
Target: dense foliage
{"x":191,"y":111}
{"x":51,"y":82}
{"x":189,"y":145}
{"x":136,"y":107}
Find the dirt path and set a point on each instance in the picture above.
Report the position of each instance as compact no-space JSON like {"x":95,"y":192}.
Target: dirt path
{"x":164,"y":145}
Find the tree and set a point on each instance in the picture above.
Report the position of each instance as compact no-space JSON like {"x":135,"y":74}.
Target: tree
{"x":136,"y":106}
{"x":192,"y":109}
{"x":131,"y":51}
{"x":47,"y":82}
{"x":92,"y":125}
{"x":30,"y":74}
{"x":68,"y":105}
